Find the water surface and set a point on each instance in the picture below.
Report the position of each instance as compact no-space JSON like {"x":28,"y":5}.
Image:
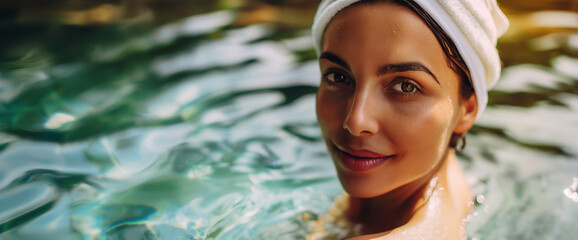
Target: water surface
{"x":203,"y":127}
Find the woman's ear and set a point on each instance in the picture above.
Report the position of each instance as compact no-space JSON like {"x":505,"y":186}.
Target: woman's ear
{"x":467,"y":114}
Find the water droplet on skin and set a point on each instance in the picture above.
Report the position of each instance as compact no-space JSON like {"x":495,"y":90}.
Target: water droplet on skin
{"x":480,"y":199}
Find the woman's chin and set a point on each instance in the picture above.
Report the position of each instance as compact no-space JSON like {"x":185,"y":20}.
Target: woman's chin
{"x":358,"y":194}
{"x":363,"y":190}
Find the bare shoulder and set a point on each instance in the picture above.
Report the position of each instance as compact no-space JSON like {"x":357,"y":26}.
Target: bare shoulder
{"x":436,"y":221}
{"x":441,"y":217}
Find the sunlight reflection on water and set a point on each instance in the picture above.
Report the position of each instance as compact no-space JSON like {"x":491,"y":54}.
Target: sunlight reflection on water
{"x":201,"y":129}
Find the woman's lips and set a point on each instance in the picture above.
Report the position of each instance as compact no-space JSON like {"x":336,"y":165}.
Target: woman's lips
{"x":360,"y":160}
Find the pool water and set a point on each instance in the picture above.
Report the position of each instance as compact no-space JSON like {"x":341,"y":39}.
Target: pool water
{"x":204,"y":128}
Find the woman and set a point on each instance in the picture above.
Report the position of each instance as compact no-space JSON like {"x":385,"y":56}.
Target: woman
{"x":402,"y":81}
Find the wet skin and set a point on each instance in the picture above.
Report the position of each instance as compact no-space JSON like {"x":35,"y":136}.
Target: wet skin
{"x":387,"y":105}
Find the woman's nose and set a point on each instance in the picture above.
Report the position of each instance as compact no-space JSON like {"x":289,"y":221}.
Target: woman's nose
{"x":361,"y":117}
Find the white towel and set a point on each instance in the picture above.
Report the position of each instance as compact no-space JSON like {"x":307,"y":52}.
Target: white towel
{"x":473,"y":25}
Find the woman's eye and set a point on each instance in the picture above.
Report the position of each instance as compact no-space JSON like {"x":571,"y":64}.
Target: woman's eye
{"x":335,"y":77}
{"x":405,"y":87}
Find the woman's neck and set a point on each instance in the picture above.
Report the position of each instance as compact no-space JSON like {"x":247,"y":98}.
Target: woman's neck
{"x":396,"y":208}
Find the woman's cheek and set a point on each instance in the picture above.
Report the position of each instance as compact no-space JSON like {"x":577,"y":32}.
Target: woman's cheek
{"x":425,"y":121}
{"x":327,"y":114}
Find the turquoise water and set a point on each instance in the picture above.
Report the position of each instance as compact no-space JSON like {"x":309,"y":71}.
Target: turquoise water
{"x":203,"y":129}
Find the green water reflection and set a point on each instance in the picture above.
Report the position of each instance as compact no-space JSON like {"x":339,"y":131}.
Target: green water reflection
{"x":195,"y":120}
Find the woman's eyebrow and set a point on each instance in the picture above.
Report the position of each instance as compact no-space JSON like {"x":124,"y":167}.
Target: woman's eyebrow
{"x":385,"y":69}
{"x":405,"y":67}
{"x":334,"y":59}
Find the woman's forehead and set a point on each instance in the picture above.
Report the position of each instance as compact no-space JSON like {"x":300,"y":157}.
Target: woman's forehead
{"x":383,"y":33}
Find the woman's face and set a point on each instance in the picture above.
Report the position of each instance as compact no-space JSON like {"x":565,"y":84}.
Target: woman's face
{"x":388,"y":102}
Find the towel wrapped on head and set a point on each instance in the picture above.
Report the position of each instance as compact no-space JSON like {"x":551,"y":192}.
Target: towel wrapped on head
{"x":473,"y":25}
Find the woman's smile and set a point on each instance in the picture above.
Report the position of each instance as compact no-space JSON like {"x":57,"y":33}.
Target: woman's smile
{"x":359,"y":160}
